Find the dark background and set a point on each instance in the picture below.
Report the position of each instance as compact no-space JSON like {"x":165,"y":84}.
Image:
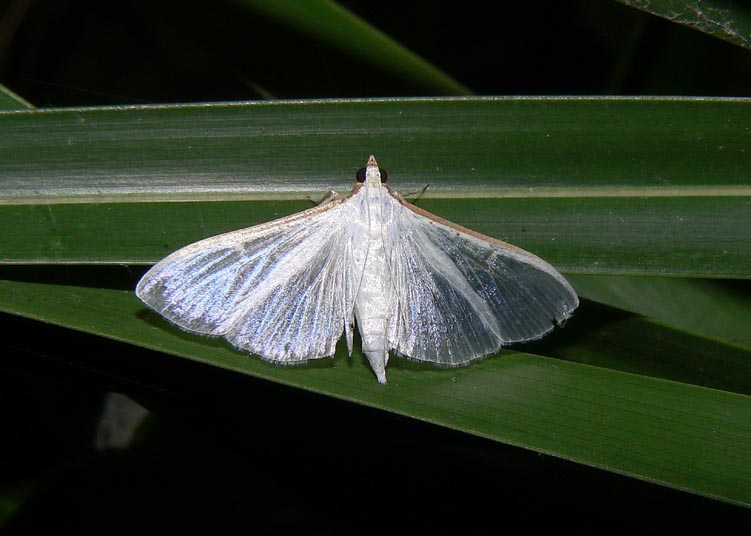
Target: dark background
{"x":221,"y":450}
{"x":83,"y":52}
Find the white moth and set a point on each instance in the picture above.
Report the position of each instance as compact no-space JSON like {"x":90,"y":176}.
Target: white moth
{"x":419,"y":285}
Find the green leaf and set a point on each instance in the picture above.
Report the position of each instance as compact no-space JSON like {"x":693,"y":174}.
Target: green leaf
{"x":333,"y":24}
{"x":612,"y":338}
{"x":12,"y":101}
{"x":730,"y":21}
{"x":12,"y":498}
{"x":714,"y":308}
{"x":684,"y":436}
{"x":604,"y":185}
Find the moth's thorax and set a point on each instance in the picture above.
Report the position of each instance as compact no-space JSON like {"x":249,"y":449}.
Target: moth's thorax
{"x":372,"y":176}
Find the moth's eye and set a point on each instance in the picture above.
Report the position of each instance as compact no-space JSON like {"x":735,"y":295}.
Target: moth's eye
{"x":360,"y":175}
{"x":384,"y":175}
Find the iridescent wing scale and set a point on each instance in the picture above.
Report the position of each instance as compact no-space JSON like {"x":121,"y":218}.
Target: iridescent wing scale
{"x":462,"y":295}
{"x":279,"y":290}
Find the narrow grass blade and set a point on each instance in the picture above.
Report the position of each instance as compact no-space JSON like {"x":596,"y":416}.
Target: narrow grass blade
{"x":730,"y":21}
{"x":710,"y":307}
{"x":613,"y":186}
{"x":684,"y":436}
{"x":331,"y":23}
{"x":11,"y":101}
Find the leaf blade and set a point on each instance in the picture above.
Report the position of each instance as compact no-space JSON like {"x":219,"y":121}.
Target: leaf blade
{"x":12,"y":101}
{"x":687,"y":437}
{"x":651,"y":208}
{"x":723,"y":20}
{"x":331,"y":23}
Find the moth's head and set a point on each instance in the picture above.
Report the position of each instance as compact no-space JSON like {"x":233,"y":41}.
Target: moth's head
{"x":371,"y":174}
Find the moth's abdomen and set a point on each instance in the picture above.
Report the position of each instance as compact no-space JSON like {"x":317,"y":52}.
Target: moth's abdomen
{"x":374,"y":296}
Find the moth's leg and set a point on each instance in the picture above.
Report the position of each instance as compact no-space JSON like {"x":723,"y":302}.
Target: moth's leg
{"x":328,"y":198}
{"x":416,"y":194}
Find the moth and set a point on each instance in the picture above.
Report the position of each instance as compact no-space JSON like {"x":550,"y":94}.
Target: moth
{"x":413,"y":284}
